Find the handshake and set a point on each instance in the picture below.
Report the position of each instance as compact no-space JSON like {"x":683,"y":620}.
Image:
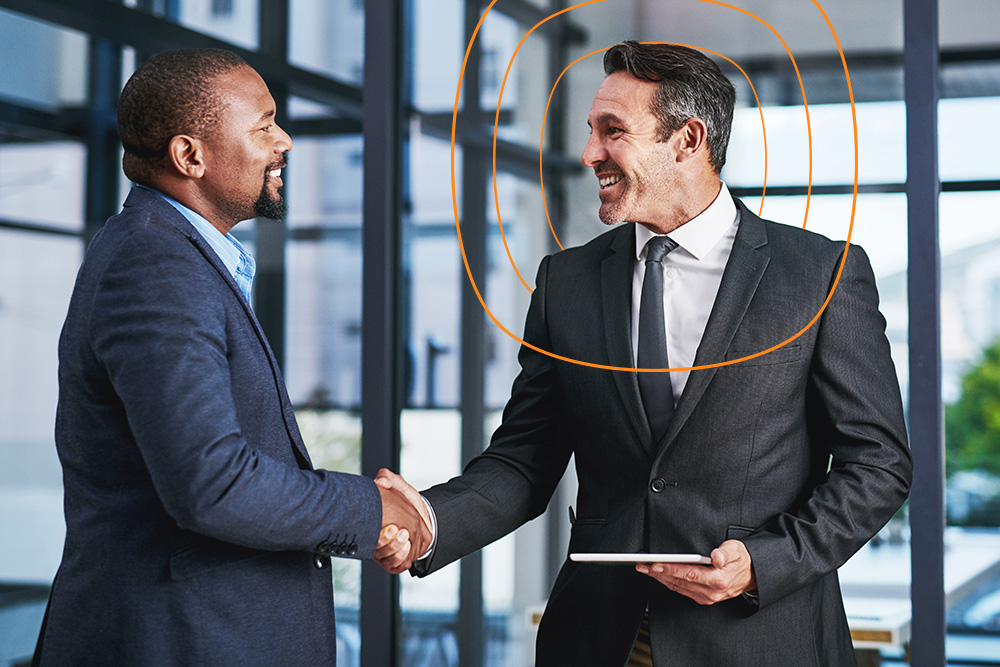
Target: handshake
{"x":407,"y":531}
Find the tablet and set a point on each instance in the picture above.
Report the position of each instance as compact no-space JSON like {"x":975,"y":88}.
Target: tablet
{"x":640,"y":558}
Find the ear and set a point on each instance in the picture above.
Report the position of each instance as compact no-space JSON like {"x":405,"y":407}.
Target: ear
{"x":187,"y":155}
{"x":691,"y":139}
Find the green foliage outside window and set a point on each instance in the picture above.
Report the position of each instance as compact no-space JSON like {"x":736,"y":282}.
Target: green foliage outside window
{"x":972,"y":424}
{"x":972,"y":444}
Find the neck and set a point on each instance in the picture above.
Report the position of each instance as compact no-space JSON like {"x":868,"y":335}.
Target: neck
{"x":186,"y":193}
{"x":693,"y":200}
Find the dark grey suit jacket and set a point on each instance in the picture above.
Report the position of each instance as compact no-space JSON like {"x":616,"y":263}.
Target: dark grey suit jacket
{"x":194,"y":518}
{"x":800,"y":453}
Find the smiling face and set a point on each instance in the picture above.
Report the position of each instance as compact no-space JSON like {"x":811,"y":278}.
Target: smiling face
{"x":636,"y":170}
{"x":244,"y":153}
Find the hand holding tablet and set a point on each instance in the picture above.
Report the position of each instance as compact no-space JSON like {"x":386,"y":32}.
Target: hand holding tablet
{"x":695,"y":559}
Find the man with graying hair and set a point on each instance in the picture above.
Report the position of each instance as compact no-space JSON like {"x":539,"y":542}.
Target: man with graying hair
{"x":197,"y":530}
{"x":777,"y":467}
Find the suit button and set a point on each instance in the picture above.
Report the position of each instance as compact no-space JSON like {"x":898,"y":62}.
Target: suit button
{"x":322,"y":547}
{"x":319,"y":562}
{"x":658,"y":485}
{"x":352,"y":549}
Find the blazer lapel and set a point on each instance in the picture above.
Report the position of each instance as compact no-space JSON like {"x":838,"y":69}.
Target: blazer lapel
{"x":740,"y":279}
{"x":136,"y":198}
{"x":616,"y":295}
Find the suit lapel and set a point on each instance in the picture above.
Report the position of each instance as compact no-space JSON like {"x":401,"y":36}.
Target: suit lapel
{"x":141,"y":197}
{"x":289,"y":418}
{"x":740,"y":279}
{"x":616,"y":295}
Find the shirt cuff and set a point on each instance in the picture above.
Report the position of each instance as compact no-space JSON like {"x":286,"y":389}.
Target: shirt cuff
{"x":434,"y":531}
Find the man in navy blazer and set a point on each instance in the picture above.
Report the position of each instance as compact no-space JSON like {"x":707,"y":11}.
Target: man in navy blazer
{"x":197,"y":530}
{"x":778,"y":466}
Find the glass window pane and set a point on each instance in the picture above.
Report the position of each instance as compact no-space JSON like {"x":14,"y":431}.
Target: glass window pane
{"x":323,"y":298}
{"x":325,"y":182}
{"x":430,"y":455}
{"x":233,"y":21}
{"x":970,"y":334}
{"x":438,"y":51}
{"x":968,"y":149}
{"x":51,"y":63}
{"x":323,"y":321}
{"x":527,"y":89}
{"x":881,"y":145}
{"x":328,"y":37}
{"x":32,"y":173}
{"x":36,"y":277}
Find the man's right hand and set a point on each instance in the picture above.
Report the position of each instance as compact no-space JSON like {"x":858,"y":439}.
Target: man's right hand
{"x":406,"y":532}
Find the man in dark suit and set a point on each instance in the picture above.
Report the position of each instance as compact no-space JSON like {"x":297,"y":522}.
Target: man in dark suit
{"x":779,"y":465}
{"x":197,"y":530}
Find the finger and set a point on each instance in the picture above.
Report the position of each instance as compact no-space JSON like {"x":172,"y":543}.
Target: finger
{"x":398,"y":540}
{"x":387,"y":534}
{"x":393,"y":554}
{"x":390,"y":480}
{"x":694,"y":574}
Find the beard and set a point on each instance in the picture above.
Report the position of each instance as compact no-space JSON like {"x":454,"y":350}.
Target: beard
{"x":652,"y":183}
{"x":613,"y":212}
{"x":266,"y":206}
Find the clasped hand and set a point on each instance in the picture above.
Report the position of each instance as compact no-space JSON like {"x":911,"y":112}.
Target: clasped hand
{"x":406,"y":524}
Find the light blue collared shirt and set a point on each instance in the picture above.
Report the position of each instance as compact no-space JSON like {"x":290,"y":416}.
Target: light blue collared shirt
{"x":234,"y":256}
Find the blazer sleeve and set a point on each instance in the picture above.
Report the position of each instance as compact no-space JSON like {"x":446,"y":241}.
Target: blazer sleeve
{"x":855,"y":412}
{"x":160,"y":329}
{"x":514,"y":479}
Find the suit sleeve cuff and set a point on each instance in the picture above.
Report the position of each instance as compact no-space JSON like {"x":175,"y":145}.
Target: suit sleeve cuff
{"x":434,"y":531}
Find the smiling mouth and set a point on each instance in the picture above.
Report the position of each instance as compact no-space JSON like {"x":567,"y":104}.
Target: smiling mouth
{"x":609,"y":181}
{"x":274,"y":174}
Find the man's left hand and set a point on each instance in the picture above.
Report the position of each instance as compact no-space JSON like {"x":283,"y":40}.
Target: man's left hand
{"x":729,"y":575}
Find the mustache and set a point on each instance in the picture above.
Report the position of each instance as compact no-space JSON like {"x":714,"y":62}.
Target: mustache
{"x":607,"y":165}
{"x":278,"y":164}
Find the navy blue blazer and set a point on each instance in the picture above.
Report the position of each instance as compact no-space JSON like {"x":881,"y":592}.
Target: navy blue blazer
{"x":800,"y":453}
{"x":197,"y":531}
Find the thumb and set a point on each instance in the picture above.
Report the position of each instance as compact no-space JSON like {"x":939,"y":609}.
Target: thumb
{"x":723,"y":555}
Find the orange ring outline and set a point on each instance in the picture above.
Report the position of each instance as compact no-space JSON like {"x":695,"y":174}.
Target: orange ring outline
{"x":475,"y":287}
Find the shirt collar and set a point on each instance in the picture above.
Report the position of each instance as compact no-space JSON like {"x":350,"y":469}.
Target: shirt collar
{"x":700,"y":234}
{"x":225,"y":246}
{"x":197,"y":219}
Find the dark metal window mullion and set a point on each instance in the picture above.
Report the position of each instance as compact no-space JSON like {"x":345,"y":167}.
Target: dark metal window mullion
{"x":470,"y":629}
{"x":926,"y":423}
{"x":381,"y":320}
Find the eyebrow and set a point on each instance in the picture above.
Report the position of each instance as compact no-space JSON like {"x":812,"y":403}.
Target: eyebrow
{"x":267,"y":114}
{"x":608,"y":118}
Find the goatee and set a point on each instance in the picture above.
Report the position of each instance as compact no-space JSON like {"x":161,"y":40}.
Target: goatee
{"x":266,"y":206}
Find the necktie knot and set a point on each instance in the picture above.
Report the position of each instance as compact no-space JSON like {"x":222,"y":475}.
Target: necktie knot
{"x":659,"y":247}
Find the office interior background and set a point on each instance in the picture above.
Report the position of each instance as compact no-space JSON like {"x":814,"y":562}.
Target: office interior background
{"x":387,"y":351}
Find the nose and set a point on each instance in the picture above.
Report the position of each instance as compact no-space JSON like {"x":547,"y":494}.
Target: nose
{"x":593,"y":152}
{"x":283,"y":144}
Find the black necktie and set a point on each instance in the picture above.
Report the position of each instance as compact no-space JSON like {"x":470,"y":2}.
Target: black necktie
{"x":657,"y":394}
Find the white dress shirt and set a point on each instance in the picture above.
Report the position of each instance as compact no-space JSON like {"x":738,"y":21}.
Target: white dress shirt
{"x":692,"y":274}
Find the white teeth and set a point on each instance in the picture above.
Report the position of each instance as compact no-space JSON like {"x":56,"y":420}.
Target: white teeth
{"x":611,"y":180}
{"x":275,"y":173}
